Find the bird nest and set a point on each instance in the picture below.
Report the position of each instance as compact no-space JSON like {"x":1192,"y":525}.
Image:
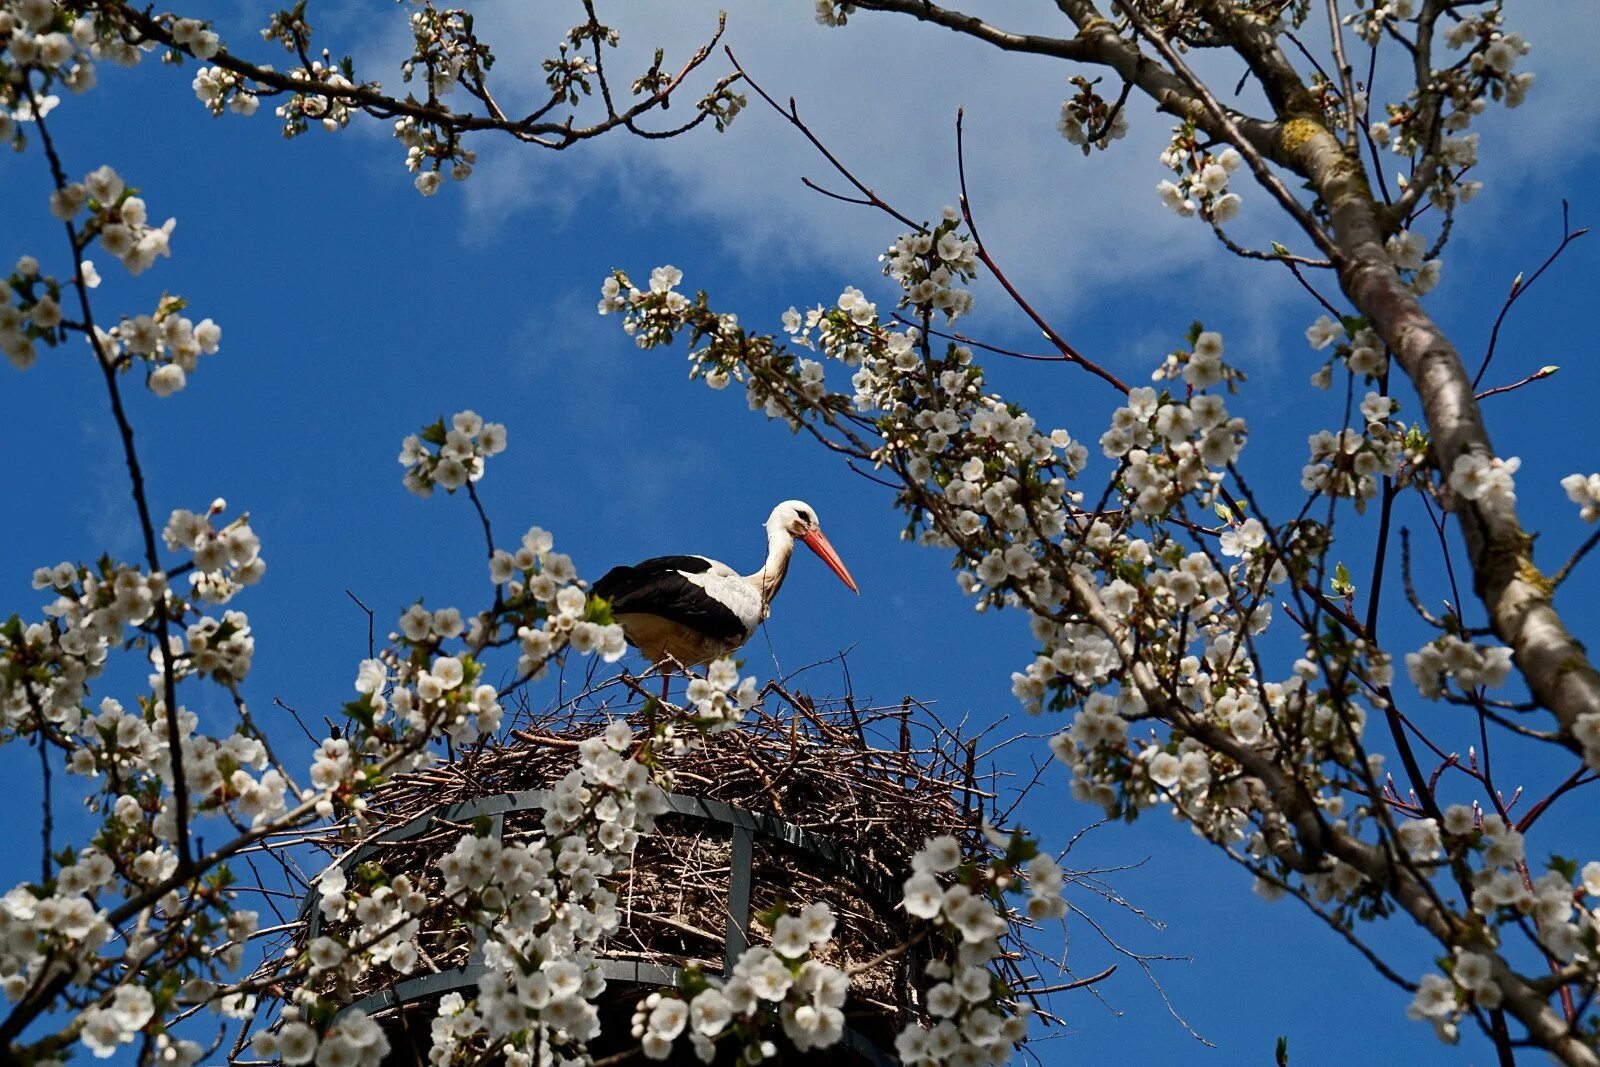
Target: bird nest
{"x":806,"y":800}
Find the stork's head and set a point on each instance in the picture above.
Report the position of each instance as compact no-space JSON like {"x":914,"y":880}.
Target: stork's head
{"x":799,"y":520}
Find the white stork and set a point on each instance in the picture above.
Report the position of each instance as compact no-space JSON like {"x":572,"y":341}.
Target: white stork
{"x":684,"y":611}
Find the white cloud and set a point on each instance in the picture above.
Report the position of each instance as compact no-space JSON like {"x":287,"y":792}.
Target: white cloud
{"x":883,"y":94}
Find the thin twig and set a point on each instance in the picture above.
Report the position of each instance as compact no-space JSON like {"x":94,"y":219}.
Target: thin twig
{"x":1070,"y":353}
{"x":1519,"y":287}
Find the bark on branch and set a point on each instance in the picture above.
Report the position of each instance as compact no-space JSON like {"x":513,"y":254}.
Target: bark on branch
{"x":1515,"y":593}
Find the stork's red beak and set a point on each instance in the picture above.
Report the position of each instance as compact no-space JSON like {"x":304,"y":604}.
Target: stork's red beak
{"x":819,"y":544}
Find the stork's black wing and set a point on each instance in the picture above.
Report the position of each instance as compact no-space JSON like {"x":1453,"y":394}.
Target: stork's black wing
{"x":660,"y":586}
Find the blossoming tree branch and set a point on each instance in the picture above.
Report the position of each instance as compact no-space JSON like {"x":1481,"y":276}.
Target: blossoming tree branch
{"x":1152,"y":594}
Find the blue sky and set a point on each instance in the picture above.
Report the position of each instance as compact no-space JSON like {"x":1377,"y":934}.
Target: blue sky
{"x":354,"y":311}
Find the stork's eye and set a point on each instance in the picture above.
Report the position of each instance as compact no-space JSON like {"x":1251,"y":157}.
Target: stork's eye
{"x":805,"y":516}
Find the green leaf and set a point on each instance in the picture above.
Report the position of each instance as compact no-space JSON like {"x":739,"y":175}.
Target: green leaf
{"x":435,"y":434}
{"x":1563,"y":866}
{"x":1341,"y":581}
{"x":692,"y":980}
{"x":1282,"y":1053}
{"x":361,"y":710}
{"x":1021,"y":849}
{"x":598,"y":611}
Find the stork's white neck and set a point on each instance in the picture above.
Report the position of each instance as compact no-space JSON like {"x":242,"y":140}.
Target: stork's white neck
{"x":767,"y":580}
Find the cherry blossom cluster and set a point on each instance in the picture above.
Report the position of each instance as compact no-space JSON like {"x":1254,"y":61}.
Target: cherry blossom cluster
{"x":720,"y":698}
{"x":51,"y":662}
{"x":931,"y":265}
{"x":834,"y":12}
{"x":1584,"y":491}
{"x":784,"y":986}
{"x":426,"y":155}
{"x":446,"y":49}
{"x":1202,"y":177}
{"x":1451,"y":658}
{"x":36,"y":921}
{"x":325,"y":109}
{"x":456,"y":456}
{"x":1409,"y":252}
{"x":353,"y":1040}
{"x":654,"y":317}
{"x":218,"y":648}
{"x":117,"y":217}
{"x":1486,"y":72}
{"x":444,"y":692}
{"x":1363,"y":353}
{"x":31,"y":303}
{"x":30,"y":311}
{"x":543,"y":906}
{"x":222,"y":90}
{"x":1170,"y":449}
{"x":1089,"y":120}
{"x":973,"y":1016}
{"x":1561,"y":904}
{"x":327,"y":101}
{"x":119,"y":1022}
{"x":167,"y":341}
{"x":136,"y":749}
{"x":1200,"y":364}
{"x":37,"y":36}
{"x":1485,"y":480}
{"x":1352,"y":462}
{"x":617,"y":293}
{"x":562,"y":612}
{"x":224,"y":560}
